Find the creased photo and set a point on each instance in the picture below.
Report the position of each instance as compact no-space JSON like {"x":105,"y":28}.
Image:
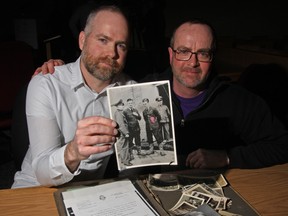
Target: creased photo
{"x":145,"y":122}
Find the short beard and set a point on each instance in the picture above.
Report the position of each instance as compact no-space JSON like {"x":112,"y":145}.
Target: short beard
{"x":92,"y":65}
{"x":197,"y":84}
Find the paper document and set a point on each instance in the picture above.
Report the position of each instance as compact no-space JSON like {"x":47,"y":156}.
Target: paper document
{"x":117,"y":198}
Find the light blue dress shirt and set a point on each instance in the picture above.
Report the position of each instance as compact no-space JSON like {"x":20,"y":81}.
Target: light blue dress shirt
{"x":54,"y":104}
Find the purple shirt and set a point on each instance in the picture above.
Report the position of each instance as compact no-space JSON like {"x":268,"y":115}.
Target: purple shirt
{"x":190,"y":104}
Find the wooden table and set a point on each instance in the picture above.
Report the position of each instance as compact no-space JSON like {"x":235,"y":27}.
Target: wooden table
{"x":265,"y":189}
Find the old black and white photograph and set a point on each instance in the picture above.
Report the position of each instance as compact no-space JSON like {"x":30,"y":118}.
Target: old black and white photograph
{"x":143,"y":113}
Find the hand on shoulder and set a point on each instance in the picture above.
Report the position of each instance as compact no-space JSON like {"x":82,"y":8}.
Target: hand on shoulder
{"x":48,"y":66}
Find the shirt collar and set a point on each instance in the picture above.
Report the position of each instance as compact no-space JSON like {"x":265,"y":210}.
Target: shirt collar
{"x":77,"y":78}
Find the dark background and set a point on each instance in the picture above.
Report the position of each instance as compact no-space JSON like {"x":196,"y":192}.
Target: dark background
{"x":248,"y":32}
{"x":248,"y":21}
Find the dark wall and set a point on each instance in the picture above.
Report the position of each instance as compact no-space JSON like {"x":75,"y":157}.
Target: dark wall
{"x":237,"y":19}
{"x":241,"y":19}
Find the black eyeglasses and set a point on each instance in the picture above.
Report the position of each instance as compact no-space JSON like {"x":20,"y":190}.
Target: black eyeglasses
{"x":201,"y":55}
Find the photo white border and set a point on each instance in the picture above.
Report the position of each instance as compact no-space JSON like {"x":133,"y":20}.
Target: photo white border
{"x":137,"y":92}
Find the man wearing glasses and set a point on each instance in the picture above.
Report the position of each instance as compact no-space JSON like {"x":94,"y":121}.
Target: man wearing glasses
{"x":217,"y":124}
